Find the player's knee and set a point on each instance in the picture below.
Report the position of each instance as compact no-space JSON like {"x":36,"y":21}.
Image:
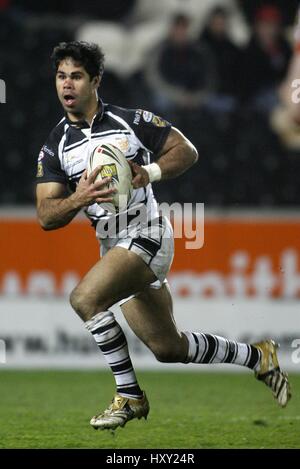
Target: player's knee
{"x":80,"y":303}
{"x":86,"y":304}
{"x":77,"y":300}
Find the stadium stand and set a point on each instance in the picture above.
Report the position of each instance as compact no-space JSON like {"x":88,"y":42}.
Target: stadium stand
{"x":243,"y":161}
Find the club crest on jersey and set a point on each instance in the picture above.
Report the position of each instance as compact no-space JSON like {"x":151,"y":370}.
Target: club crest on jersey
{"x":40,"y":170}
{"x":122,"y":143}
{"x":158,"y":121}
{"x":109,"y":170}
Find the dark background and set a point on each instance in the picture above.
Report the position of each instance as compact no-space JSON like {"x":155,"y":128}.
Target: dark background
{"x":242,"y":160}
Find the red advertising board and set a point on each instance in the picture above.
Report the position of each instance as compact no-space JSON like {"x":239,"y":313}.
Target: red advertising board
{"x":240,"y":257}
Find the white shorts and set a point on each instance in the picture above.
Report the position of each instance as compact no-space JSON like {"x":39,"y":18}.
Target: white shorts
{"x":153,"y":242}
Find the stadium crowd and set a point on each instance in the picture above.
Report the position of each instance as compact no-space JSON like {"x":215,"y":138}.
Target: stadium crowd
{"x":214,"y":71}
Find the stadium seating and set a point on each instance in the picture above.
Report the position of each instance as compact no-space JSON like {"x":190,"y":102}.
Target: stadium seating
{"x":242,"y":162}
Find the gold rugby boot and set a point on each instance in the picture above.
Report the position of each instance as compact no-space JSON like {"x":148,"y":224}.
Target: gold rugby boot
{"x":121,"y":410}
{"x":270,"y":373}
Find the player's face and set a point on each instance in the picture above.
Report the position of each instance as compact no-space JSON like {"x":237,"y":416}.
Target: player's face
{"x":75,"y":90}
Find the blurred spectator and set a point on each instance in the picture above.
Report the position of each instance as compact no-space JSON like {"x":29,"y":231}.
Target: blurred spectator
{"x":265,"y":60}
{"x":179,"y":72}
{"x":226,"y":56}
{"x":236,"y":147}
{"x":287,"y":8}
{"x":197,"y":10}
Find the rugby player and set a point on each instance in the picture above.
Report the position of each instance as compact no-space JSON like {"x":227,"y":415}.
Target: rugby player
{"x":133,"y":267}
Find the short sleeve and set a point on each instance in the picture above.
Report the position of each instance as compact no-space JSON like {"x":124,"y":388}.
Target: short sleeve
{"x":48,"y":164}
{"x":151,"y":130}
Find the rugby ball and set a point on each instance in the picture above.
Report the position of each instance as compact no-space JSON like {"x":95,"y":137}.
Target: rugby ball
{"x":114,"y":165}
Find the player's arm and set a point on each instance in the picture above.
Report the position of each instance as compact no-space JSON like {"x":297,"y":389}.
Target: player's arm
{"x":290,"y":89}
{"x":55,"y":208}
{"x":177,"y":155}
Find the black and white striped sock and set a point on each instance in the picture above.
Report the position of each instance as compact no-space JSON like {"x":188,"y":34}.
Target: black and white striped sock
{"x":113,"y":344}
{"x":208,"y":348}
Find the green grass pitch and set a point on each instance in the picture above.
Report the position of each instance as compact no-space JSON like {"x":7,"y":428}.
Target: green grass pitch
{"x":51,"y":409}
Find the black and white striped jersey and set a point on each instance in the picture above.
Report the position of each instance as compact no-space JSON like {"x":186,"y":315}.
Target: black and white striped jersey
{"x":139,"y":134}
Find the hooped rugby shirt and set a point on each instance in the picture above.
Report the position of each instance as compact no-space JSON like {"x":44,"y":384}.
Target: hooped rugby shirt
{"x":139,"y":134}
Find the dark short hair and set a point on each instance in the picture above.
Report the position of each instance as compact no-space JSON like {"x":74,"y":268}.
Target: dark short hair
{"x":219,"y":11}
{"x":181,"y":19}
{"x":87,"y":54}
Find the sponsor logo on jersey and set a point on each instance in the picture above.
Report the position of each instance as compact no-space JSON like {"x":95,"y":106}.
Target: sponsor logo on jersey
{"x":147,"y":116}
{"x":71,"y":160}
{"x":70,"y":165}
{"x":109,"y":170}
{"x":40,"y":170}
{"x":137,"y":116}
{"x":47,"y":150}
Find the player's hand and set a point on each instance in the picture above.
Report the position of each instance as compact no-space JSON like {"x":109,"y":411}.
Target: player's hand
{"x":89,"y":191}
{"x":140,"y":175}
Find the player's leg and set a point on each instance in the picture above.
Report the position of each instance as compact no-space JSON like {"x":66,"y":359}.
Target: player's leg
{"x":156,"y":330}
{"x":142,"y":256}
{"x":119,"y":274}
{"x":150,"y":316}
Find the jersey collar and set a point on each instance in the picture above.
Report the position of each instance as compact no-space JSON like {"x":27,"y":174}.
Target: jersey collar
{"x":82,"y":124}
